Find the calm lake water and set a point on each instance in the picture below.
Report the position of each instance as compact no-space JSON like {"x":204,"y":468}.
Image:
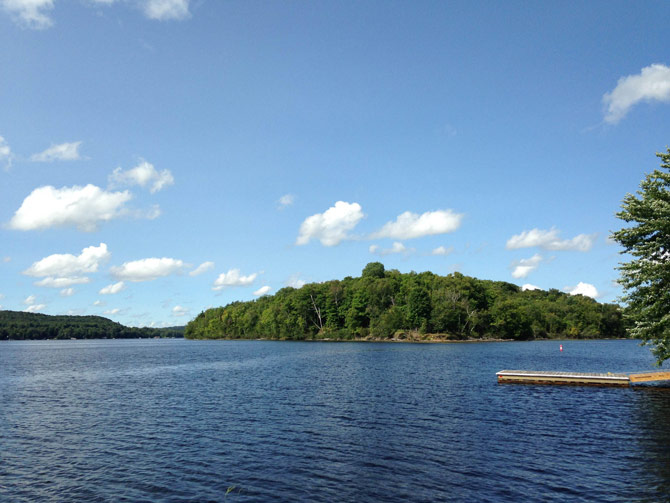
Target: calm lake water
{"x":177,"y":421}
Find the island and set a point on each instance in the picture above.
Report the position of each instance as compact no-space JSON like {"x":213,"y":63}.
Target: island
{"x":387,"y":305}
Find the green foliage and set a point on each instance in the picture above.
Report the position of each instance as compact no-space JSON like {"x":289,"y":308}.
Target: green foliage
{"x":394,"y":305}
{"x":16,"y":325}
{"x":373,"y":270}
{"x":646,"y":277}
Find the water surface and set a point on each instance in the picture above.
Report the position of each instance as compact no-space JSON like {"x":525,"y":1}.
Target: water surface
{"x":177,"y":421}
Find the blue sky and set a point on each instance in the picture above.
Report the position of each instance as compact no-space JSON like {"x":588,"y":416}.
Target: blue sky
{"x":159,"y":157}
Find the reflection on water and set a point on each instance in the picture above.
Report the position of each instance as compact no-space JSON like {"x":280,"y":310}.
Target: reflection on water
{"x":279,"y":421}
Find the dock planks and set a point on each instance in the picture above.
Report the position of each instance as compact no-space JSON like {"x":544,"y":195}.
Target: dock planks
{"x":578,"y":378}
{"x":650,"y":376}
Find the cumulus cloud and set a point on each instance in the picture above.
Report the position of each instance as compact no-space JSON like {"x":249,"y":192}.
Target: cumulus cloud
{"x":549,"y":240}
{"x":80,"y":207}
{"x":179,"y":311}
{"x":63,"y":270}
{"x":147,"y":269}
{"x":144,"y":175}
{"x":529,"y":287}
{"x":525,"y":266}
{"x":5,"y":154}
{"x":332,"y":226}
{"x":651,"y":84}
{"x":112,"y":311}
{"x":165,"y":10}
{"x":204,"y":267}
{"x":264,"y":290}
{"x":112,"y":289}
{"x":441,"y":250}
{"x":585,"y":289}
{"x":67,"y":292}
{"x":396,"y":248}
{"x":410,"y":225}
{"x":31,"y":14}
{"x":33,"y":306}
{"x":66,"y":265}
{"x":61,"y":152}
{"x":233,"y":278}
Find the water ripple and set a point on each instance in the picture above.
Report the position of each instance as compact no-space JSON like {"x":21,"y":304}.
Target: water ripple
{"x":180,"y":421}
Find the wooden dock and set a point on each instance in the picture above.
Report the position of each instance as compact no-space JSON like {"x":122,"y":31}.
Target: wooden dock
{"x":578,"y":378}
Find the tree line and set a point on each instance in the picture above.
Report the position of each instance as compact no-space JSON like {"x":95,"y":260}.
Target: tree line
{"x":386,"y":304}
{"x":16,"y":325}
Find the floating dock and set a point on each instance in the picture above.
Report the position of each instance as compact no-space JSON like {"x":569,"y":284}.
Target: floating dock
{"x":578,"y":378}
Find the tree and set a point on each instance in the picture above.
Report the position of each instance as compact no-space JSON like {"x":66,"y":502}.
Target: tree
{"x":646,"y":277}
{"x":373,"y":270}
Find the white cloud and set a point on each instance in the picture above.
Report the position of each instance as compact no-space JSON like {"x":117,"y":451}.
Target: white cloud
{"x":410,"y":225}
{"x":549,"y":240}
{"x":5,"y":153}
{"x":286,"y":200}
{"x":396,"y":248}
{"x":441,"y":250}
{"x":651,"y":84}
{"x":332,"y":226}
{"x":204,"y":267}
{"x":295,"y":282}
{"x":525,"y":266}
{"x":51,"y":282}
{"x":29,"y":13}
{"x":147,"y":269}
{"x":112,"y":289}
{"x":164,"y":10}
{"x":66,"y":265}
{"x":233,"y":278}
{"x":529,"y":287}
{"x":34,"y":308}
{"x":116,"y":310}
{"x":144,"y":174}
{"x":6,"y":259}
{"x":30,"y":300}
{"x":34,"y":14}
{"x":264,"y":290}
{"x":179,"y":311}
{"x":67,"y":292}
{"x":61,"y":152}
{"x":81,"y":207}
{"x":98,"y":303}
{"x":64,"y":270}
{"x":585,"y":289}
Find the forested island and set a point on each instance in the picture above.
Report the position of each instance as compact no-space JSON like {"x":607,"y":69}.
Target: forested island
{"x":16,"y":325}
{"x":389,"y":305}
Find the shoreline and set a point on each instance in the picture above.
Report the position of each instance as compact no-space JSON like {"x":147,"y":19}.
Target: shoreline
{"x":417,"y":341}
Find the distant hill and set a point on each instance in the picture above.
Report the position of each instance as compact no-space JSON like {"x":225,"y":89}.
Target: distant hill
{"x":15,"y":325}
{"x":389,"y":305}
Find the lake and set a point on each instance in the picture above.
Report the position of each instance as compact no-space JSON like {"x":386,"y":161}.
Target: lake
{"x":179,"y":421}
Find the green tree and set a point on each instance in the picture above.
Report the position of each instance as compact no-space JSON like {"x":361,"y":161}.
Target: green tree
{"x":646,"y":276}
{"x":373,"y":270}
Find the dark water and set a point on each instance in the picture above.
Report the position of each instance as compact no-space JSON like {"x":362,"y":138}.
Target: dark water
{"x":174,"y":420}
